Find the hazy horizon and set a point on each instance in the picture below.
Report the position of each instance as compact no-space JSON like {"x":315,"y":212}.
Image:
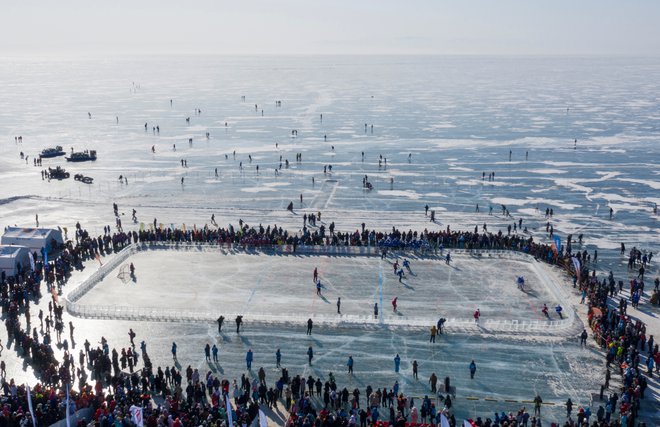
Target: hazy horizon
{"x":299,"y":27}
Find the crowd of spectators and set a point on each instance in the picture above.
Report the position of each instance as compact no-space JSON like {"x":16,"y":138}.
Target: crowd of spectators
{"x":167,"y":401}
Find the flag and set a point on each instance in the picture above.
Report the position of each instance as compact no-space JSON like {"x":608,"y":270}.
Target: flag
{"x":136,"y":416}
{"x":556,"y":244}
{"x":31,"y":260}
{"x":444,"y":422}
{"x":230,"y":421}
{"x":263,"y":422}
{"x":576,"y":264}
{"x":29,"y":397}
{"x":68,"y":408}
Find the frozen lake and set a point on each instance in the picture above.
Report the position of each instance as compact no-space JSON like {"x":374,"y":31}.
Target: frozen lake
{"x":441,"y":125}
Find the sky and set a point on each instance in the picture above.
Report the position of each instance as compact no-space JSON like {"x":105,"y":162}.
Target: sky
{"x":356,"y":27}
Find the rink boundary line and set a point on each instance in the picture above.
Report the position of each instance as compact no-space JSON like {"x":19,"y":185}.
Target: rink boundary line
{"x":494,"y":400}
{"x":491,"y":399}
{"x":459,"y":325}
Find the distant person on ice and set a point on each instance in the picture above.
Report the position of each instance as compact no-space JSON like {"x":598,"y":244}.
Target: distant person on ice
{"x":583,"y":338}
{"x":376,"y":310}
{"x":309,"y":326}
{"x":249,"y":356}
{"x":473,"y":369}
{"x":310,"y":355}
{"x":220,"y":321}
{"x":440,"y":324}
{"x":239,"y":321}
{"x":397,"y":363}
{"x":476,"y":315}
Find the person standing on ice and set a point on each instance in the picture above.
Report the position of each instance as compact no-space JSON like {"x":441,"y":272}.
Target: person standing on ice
{"x":583,"y":338}
{"x":316,"y":274}
{"x":537,"y":405}
{"x":310,"y":355}
{"x":476,"y":315}
{"x":397,"y":363}
{"x":434,"y":332}
{"x":400,"y":274}
{"x":415,"y":366}
{"x":473,"y":369}
{"x":220,"y":320}
{"x":239,"y":320}
{"x":207,"y":352}
{"x":309,"y":326}
{"x":350,"y":365}
{"x":448,"y":258}
{"x":338,"y":305}
{"x":376,"y":310}
{"x":318,"y":288}
{"x":558,"y":309}
{"x":278,"y":358}
{"x":174,"y":350}
{"x":248,"y":359}
{"x":214,"y":350}
{"x":394,"y":304}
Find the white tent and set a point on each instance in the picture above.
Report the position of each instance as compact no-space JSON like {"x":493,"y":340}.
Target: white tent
{"x":13,"y":256}
{"x":33,"y":238}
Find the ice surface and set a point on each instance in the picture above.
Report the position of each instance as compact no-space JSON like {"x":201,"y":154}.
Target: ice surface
{"x":281,"y":287}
